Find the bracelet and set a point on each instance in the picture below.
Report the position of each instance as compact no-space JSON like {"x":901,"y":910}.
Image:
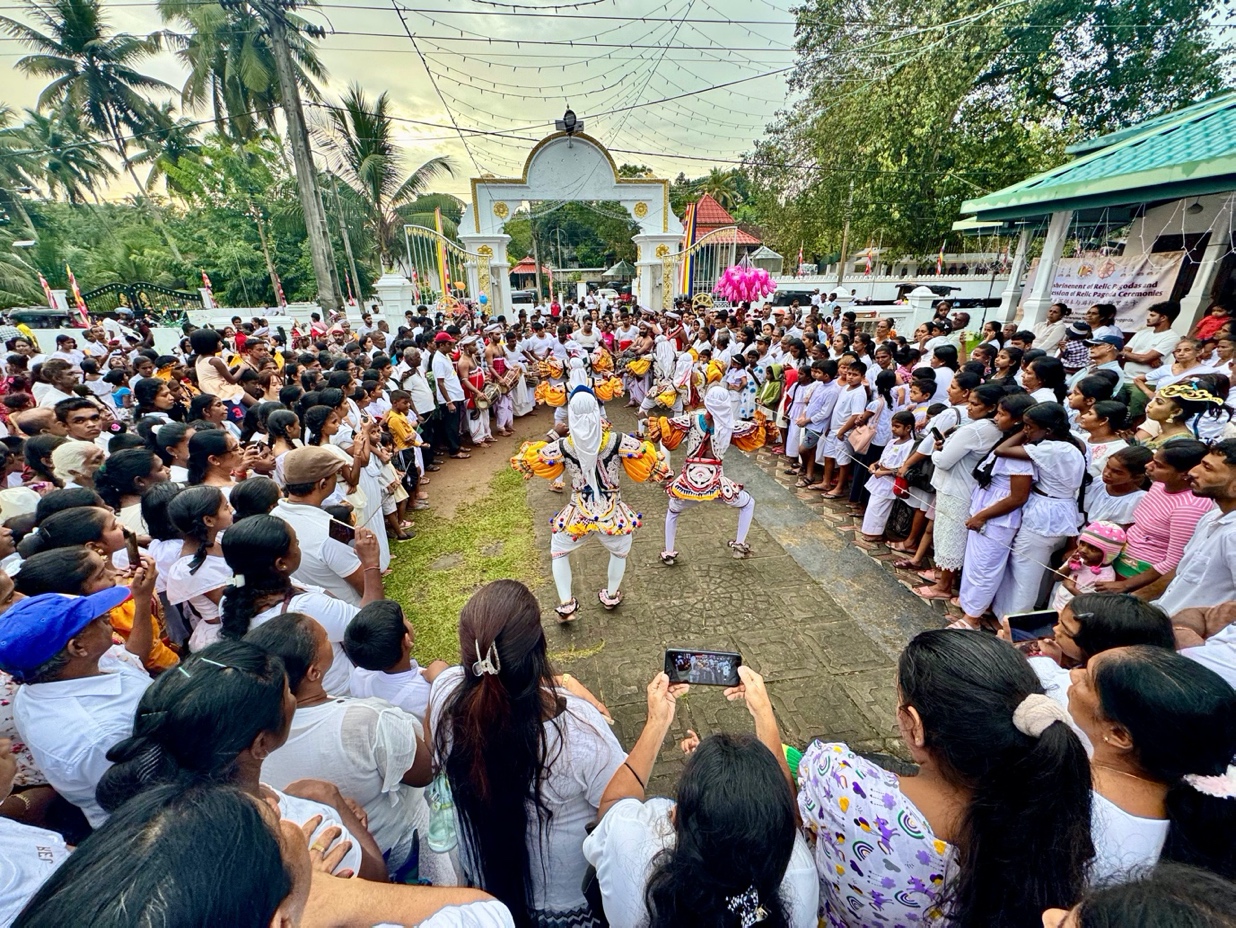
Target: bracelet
{"x":21,"y":797}
{"x":634,"y":774}
{"x":378,"y":569}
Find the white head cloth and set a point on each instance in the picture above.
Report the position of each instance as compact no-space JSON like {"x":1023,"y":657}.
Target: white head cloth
{"x":1036,"y":712}
{"x":584,"y":422}
{"x":717,"y":402}
{"x":577,"y":375}
{"x":682,"y":369}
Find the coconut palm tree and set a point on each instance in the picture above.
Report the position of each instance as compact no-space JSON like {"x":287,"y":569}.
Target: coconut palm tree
{"x":722,"y":186}
{"x":91,"y":68}
{"x":231,"y":67}
{"x":358,"y":138}
{"x":163,"y":146}
{"x":66,"y":160}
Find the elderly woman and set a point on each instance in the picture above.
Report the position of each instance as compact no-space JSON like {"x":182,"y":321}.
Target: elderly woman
{"x":74,"y":463}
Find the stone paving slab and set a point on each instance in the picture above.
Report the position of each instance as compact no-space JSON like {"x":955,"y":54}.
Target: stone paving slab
{"x":820,"y":619}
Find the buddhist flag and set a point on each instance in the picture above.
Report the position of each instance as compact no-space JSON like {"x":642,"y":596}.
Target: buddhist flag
{"x":940,"y":261}
{"x":77,"y":297}
{"x":867,"y":270}
{"x":206,"y":282}
{"x":279,"y":297}
{"x":689,"y":226}
{"x":51,"y":300}
{"x":440,"y":250}
{"x":798,"y":268}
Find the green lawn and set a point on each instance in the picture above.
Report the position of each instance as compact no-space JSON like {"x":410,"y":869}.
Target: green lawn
{"x":449,"y":559}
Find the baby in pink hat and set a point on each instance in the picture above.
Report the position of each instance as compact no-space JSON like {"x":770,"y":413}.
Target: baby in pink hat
{"x":1098,"y":545}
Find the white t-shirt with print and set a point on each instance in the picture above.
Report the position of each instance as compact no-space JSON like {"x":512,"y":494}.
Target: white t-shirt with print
{"x":28,"y":856}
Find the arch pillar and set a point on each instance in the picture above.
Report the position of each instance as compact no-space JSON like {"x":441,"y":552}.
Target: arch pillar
{"x":490,"y":271}
{"x":651,"y":250}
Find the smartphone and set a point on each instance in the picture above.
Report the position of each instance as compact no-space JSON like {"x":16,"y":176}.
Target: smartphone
{"x":341,"y":531}
{"x":135,"y":558}
{"x":705,"y":668}
{"x":935,"y":432}
{"x":1026,"y":626}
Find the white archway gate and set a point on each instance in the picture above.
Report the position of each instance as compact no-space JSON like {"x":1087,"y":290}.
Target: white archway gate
{"x":569,"y":167}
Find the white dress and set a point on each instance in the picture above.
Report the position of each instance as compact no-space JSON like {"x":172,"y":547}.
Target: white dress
{"x":1123,"y":843}
{"x":188,"y":591}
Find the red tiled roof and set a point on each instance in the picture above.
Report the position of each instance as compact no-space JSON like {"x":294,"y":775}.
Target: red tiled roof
{"x":528,"y":266}
{"x":727,"y":236}
{"x":709,"y":214}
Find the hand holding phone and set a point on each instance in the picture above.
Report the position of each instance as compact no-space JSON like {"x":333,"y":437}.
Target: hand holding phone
{"x":130,"y":541}
{"x":935,"y":433}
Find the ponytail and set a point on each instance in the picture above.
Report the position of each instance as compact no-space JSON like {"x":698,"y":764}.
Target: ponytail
{"x":188,"y":511}
{"x":78,"y":526}
{"x":251,"y":547}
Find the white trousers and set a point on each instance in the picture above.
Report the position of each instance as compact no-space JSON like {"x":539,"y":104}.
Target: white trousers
{"x":987,"y":556}
{"x":560,"y":547}
{"x":876,"y":516}
{"x":1029,"y":560}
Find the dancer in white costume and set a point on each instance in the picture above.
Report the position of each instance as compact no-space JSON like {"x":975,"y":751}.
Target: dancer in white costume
{"x":590,"y":454}
{"x":521,"y":393}
{"x":707,"y":434}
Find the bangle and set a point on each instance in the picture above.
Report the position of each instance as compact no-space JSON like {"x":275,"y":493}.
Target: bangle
{"x":378,"y":569}
{"x":634,"y":774}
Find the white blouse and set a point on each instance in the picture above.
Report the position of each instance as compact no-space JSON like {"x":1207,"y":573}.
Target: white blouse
{"x":1058,"y":470}
{"x":1123,"y":843}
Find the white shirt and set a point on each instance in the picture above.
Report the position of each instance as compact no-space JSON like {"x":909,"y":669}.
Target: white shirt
{"x":70,"y":725}
{"x":1058,"y":471}
{"x":963,"y":450}
{"x":490,"y":914}
{"x":1049,"y":335}
{"x":446,"y":379}
{"x":1123,"y":843}
{"x":324,"y":561}
{"x":28,"y":856}
{"x":1206,"y":575}
{"x":1149,"y":340}
{"x":408,"y":689}
{"x":333,"y":615}
{"x":51,"y":396}
{"x":1218,"y":653}
{"x":364,"y":747}
{"x":632,"y":833}
{"x":586,"y":754}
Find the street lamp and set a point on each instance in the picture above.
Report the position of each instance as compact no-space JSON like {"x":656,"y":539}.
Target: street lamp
{"x":25,"y":243}
{"x":570,"y":124}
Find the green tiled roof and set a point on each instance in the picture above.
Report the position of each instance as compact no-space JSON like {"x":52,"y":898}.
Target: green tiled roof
{"x":1187,"y":153}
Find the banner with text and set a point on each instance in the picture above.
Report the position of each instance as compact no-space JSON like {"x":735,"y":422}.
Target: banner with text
{"x":1133,"y":283}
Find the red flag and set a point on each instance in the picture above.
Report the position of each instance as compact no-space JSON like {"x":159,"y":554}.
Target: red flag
{"x":348,"y":278}
{"x":279,"y":297}
{"x":77,"y":296}
{"x":206,"y":282}
{"x":47,"y":292}
{"x":940,"y":261}
{"x":867,"y":270}
{"x":798,"y":268}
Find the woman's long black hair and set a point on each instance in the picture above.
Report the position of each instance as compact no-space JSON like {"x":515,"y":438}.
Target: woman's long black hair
{"x":188,"y":511}
{"x":202,"y":447}
{"x":116,"y":478}
{"x":1181,"y":718}
{"x":735,"y":827}
{"x":77,"y":526}
{"x":1051,"y":374}
{"x":189,"y":726}
{"x":251,"y":547}
{"x":491,"y":741}
{"x":1029,"y":806}
{"x":315,"y":417}
{"x":170,"y":857}
{"x":1055,"y":419}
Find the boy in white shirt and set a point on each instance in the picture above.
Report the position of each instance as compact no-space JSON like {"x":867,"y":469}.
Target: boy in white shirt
{"x":379,"y":642}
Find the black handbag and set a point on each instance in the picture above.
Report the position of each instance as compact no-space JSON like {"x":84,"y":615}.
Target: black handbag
{"x":918,"y":475}
{"x":900,"y":520}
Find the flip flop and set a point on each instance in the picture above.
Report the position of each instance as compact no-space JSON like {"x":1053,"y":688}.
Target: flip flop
{"x":908,"y":564}
{"x":964,"y":626}
{"x":801,"y":483}
{"x":461,"y":456}
{"x":930,"y":592}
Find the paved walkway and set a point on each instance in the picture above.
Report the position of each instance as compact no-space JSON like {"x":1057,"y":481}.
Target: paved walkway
{"x":821,"y":620}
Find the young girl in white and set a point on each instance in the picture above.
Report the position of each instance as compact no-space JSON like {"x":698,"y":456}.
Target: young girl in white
{"x":884,"y":473}
{"x":837,"y":453}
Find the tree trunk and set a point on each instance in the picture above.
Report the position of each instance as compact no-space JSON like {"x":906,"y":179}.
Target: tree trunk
{"x":155,"y":215}
{"x":329,"y":294}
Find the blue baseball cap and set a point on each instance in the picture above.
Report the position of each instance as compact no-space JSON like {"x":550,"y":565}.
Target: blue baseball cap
{"x":1114,"y":340}
{"x":38,"y":628}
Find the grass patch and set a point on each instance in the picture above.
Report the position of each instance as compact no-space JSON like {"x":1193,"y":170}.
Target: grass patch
{"x":576,"y":654}
{"x":432,"y":599}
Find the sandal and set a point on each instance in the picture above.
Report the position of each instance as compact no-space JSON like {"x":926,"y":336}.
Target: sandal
{"x":791,"y":470}
{"x":461,"y":456}
{"x":964,"y":625}
{"x":566,"y":611}
{"x":802,"y":484}
{"x":908,"y":563}
{"x":433,"y":467}
{"x":610,"y":602}
{"x":669,"y":558}
{"x":740,"y":550}
{"x":929,"y":592}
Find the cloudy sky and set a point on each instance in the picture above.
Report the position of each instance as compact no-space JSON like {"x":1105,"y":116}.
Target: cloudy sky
{"x":637,"y":71}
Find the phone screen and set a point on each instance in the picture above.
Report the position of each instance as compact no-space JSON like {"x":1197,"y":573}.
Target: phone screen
{"x":1029,"y":625}
{"x":341,"y":531}
{"x":705,"y":668}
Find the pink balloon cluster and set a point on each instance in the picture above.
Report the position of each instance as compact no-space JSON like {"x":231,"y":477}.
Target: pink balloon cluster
{"x":739,"y":284}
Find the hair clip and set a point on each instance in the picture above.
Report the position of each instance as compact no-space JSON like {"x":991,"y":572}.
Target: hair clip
{"x":489,"y":663}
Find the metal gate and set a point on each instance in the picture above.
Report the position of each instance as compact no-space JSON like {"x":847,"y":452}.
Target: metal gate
{"x":693,"y":271}
{"x":145,"y":299}
{"x":443,"y":273}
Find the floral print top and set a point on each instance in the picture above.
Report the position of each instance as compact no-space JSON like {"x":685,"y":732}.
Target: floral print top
{"x":880,"y":865}
{"x":28,"y":773}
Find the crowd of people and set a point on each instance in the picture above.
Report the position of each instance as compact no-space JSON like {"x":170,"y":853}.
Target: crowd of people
{"x":212,"y":713}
